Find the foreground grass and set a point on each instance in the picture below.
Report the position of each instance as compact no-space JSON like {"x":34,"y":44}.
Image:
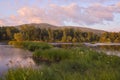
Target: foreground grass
{"x":70,"y":64}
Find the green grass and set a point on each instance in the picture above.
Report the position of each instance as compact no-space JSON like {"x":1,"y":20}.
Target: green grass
{"x":29,"y":45}
{"x":53,"y":55}
{"x":70,"y":64}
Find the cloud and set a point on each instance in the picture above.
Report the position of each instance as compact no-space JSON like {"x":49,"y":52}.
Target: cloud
{"x":90,"y":1}
{"x":55,"y":14}
{"x":2,"y":21}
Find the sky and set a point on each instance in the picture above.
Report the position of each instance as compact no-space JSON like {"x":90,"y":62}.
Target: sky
{"x":96,"y":14}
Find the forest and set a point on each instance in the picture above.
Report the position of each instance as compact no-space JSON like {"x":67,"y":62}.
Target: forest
{"x":31,"y":33}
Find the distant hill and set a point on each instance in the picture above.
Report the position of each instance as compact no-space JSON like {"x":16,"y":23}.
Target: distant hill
{"x":41,"y":25}
{"x":45,"y":25}
{"x":85,"y":29}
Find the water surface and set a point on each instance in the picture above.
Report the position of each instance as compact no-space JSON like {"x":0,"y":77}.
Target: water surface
{"x":11,"y":57}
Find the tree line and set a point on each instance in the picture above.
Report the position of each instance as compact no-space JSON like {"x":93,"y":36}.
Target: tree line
{"x":31,"y":33}
{"x":7,"y":33}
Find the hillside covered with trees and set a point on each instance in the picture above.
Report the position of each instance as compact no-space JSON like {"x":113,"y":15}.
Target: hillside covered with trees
{"x":54,"y":34}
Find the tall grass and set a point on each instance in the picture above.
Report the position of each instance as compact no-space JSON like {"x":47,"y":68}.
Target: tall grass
{"x":53,"y":55}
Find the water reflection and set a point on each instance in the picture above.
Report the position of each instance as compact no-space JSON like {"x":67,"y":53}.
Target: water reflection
{"x":108,"y":48}
{"x":66,"y":45}
{"x":14,"y":57}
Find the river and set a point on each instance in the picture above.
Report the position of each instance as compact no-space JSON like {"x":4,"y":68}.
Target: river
{"x":11,"y":57}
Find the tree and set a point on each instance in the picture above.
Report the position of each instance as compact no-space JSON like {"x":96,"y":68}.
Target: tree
{"x":28,"y":32}
{"x":19,"y":37}
{"x":50,"y":33}
{"x":74,"y":40}
{"x":64,"y":37}
{"x":117,"y":40}
{"x":69,"y":39}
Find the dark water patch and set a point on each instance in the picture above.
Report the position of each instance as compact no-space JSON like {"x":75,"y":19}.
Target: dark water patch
{"x":66,"y":45}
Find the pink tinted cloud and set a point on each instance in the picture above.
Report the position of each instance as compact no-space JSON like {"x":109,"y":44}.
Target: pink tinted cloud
{"x":54,"y":14}
{"x":2,"y":22}
{"x":99,"y":13}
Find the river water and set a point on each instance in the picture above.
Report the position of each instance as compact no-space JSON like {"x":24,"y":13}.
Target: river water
{"x":11,"y":57}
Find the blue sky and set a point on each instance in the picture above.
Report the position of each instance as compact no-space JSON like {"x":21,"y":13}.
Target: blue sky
{"x":97,"y":14}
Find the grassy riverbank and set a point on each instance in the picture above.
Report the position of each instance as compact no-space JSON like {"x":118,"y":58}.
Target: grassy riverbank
{"x":67,"y":64}
{"x":30,"y":45}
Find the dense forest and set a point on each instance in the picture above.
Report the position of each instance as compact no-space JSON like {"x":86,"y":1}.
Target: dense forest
{"x":31,"y":33}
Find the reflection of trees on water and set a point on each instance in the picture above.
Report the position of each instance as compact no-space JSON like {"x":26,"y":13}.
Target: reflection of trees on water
{"x":101,"y":47}
{"x":110,"y":47}
{"x":67,"y":45}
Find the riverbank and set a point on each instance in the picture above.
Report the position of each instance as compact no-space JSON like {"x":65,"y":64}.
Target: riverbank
{"x":79,"y":63}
